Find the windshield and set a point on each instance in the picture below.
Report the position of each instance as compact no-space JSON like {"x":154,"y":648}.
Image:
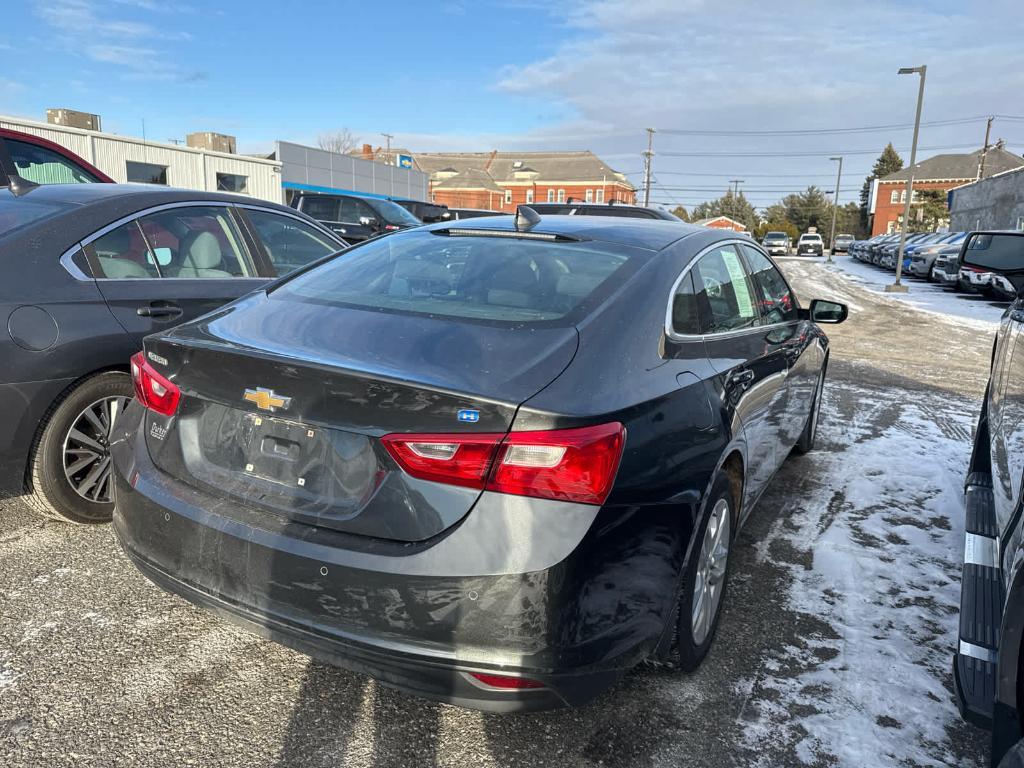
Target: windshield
{"x":775,"y":236}
{"x":487,"y":278}
{"x":393,"y":213}
{"x":810,"y":237}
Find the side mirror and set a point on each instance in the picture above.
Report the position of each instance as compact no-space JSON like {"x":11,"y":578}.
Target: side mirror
{"x":823,"y":311}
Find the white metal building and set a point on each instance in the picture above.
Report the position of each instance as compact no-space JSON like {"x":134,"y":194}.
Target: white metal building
{"x":126,"y":158}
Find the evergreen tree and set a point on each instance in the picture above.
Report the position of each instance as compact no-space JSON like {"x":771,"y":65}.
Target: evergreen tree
{"x":680,"y":211}
{"x":736,"y":207}
{"x":888,"y":162}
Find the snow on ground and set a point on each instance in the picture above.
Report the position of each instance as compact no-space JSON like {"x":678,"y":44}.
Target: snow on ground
{"x":922,"y":294}
{"x":883,"y":525}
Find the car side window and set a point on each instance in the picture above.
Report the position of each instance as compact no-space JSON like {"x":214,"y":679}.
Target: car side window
{"x":121,"y":254}
{"x":685,"y":313}
{"x":725,"y":295}
{"x":44,"y":166}
{"x":778,"y":305}
{"x":353,"y":210}
{"x":321,"y":208}
{"x":289,"y":243}
{"x":196,"y":242}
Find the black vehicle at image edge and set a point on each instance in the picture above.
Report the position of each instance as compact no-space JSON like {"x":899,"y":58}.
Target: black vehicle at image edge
{"x":987,"y":668}
{"x":87,"y":271}
{"x":496,"y":463}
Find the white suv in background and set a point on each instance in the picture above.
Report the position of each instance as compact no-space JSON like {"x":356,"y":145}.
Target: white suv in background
{"x":810,"y":244}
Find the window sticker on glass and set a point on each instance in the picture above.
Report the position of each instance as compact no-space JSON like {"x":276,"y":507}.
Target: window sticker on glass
{"x":744,"y":303}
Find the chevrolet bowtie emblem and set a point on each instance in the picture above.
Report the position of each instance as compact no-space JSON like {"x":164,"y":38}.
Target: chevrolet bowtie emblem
{"x":266,"y":399}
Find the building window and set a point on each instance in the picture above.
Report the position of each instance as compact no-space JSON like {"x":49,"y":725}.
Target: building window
{"x":894,"y":196}
{"x":590,"y":196}
{"x":232,"y":182}
{"x":913,"y":196}
{"x":146,"y":173}
{"x":529,"y":196}
{"x":903,"y":196}
{"x":508,"y":195}
{"x":551,"y":195}
{"x":600,"y":195}
{"x":561,"y":195}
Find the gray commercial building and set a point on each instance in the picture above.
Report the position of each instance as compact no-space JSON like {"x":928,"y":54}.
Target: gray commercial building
{"x":996,"y":202}
{"x":316,"y":170}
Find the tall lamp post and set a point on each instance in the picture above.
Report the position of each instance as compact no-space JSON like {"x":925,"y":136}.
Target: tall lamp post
{"x":898,"y":287}
{"x":835,"y":209}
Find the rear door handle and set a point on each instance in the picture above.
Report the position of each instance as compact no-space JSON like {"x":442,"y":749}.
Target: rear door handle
{"x":159,"y":311}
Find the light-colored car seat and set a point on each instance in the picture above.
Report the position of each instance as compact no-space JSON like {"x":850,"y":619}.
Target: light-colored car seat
{"x":201,"y":256}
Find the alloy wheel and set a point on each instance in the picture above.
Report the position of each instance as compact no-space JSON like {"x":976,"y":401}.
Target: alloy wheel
{"x":86,"y":452}
{"x":709,"y":581}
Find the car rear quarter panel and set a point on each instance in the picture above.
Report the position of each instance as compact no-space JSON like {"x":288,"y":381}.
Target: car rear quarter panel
{"x":74,"y":334}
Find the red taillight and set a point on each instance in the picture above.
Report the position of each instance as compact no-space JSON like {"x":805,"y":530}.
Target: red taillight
{"x":506,"y":682}
{"x":153,"y":390}
{"x":565,"y":464}
{"x":460,"y":459}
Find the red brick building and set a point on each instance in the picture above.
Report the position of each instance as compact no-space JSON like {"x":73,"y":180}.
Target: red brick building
{"x":942,"y":172}
{"x":499,"y":181}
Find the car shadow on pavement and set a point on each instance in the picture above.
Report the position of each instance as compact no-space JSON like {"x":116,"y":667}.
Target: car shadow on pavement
{"x":342,"y":718}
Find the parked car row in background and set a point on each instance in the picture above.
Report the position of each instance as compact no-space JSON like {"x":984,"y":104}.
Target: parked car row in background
{"x":934,"y":256}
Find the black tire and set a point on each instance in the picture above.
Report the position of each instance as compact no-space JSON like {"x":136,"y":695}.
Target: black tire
{"x":50,"y":491}
{"x":689,"y":648}
{"x":806,"y":442}
{"x":1014,"y":758}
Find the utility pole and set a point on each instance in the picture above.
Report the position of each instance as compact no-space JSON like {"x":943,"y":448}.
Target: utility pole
{"x":898,"y":287}
{"x":984,"y":149}
{"x":835,"y":209}
{"x":735,"y":195}
{"x":647,"y":166}
{"x":387,"y":153}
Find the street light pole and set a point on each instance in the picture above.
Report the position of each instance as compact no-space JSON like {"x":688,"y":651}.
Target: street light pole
{"x":835,"y":209}
{"x":898,"y":287}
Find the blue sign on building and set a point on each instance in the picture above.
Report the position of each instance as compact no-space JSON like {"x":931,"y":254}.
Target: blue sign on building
{"x":404,"y":161}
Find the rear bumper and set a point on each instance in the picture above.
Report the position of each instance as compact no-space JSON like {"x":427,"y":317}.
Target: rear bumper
{"x":568,"y":595}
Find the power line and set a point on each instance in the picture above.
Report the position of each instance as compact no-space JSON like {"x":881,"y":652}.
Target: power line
{"x":733,"y":173}
{"x":822,"y":131}
{"x":821,"y":153}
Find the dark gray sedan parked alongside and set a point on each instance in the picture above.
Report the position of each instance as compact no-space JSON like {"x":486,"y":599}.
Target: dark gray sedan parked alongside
{"x":86,"y":271}
{"x":495,"y":462}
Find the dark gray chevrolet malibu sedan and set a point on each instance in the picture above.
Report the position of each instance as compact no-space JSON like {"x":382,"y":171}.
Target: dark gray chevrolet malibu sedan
{"x":496,"y":463}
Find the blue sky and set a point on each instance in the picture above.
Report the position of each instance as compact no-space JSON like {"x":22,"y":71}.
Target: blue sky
{"x":520,"y":74}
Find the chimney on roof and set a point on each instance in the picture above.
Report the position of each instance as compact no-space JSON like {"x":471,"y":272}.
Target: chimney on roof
{"x":367,"y":152}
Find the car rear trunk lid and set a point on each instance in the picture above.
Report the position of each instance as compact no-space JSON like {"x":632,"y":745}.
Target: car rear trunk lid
{"x":283,"y":404}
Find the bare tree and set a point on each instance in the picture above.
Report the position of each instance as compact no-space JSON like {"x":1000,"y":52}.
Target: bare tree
{"x":342,"y":141}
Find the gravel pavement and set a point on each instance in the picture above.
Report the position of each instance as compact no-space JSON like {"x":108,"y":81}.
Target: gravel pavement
{"x":833,"y":648}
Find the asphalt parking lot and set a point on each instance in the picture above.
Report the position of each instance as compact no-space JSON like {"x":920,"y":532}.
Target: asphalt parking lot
{"x":834,"y":648}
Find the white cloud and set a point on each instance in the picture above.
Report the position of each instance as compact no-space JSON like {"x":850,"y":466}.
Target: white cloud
{"x":129,"y":44}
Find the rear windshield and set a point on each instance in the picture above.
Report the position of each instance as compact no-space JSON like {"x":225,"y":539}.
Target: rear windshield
{"x":485,"y":278}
